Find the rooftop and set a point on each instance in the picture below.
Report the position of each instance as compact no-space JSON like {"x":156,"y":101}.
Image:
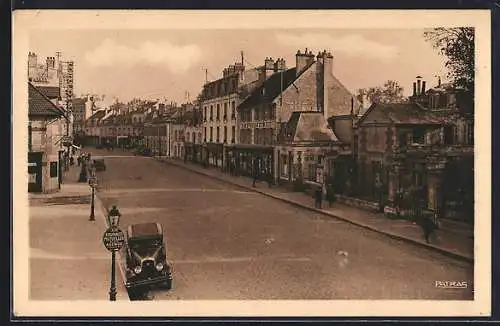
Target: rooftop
{"x":40,"y":105}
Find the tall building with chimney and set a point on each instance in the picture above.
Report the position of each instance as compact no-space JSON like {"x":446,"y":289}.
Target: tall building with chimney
{"x":283,"y":129}
{"x":54,"y":76}
{"x":218,"y":104}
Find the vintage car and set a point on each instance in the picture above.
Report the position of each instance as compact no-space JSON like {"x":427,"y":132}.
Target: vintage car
{"x":146,"y":257}
{"x":98,"y":164}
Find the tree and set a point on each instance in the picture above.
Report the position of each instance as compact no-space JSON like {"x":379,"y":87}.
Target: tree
{"x":390,"y":92}
{"x":457,"y":44}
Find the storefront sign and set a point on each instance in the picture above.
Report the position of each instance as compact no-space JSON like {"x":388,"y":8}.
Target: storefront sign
{"x":257,"y":124}
{"x":113,"y":239}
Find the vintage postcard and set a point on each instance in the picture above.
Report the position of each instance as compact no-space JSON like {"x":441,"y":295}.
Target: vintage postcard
{"x":251,"y":163}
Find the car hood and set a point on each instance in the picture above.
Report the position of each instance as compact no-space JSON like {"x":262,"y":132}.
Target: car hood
{"x":140,"y":255}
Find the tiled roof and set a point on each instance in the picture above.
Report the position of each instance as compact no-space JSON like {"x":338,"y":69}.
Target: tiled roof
{"x":409,"y":113}
{"x":50,"y":92}
{"x":309,"y":126}
{"x":40,"y":105}
{"x":270,"y":89}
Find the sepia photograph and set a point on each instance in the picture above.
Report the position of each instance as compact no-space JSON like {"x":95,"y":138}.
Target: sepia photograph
{"x":191,"y":163}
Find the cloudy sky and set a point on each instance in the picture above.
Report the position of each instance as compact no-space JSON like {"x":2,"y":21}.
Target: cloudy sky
{"x":169,"y":63}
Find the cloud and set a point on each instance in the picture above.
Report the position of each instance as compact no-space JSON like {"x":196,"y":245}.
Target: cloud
{"x":177,"y":59}
{"x":354,"y":45}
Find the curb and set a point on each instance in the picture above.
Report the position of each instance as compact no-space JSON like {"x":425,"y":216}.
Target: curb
{"x":442,"y":251}
{"x":102,"y":209}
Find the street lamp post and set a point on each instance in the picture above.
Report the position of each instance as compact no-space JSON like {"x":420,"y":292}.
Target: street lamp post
{"x":93,"y":185}
{"x":114,"y":219}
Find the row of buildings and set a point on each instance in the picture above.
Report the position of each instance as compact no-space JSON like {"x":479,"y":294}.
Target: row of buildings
{"x":300,"y":127}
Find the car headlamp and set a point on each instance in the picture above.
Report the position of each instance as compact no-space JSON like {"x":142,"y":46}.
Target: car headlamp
{"x":159,"y":267}
{"x":137,"y":269}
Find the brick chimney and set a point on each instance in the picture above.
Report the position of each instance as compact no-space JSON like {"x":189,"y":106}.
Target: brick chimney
{"x":268,"y":67}
{"x":302,"y":60}
{"x":324,"y":77}
{"x":280,"y":65}
{"x":51,"y":62}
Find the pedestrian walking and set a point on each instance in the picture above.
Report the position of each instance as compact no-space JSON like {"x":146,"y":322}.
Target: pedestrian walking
{"x":330,"y":195}
{"x":269,"y":180}
{"x":428,"y":227}
{"x":254,"y":175}
{"x":398,"y":201}
{"x":83,"y":173}
{"x":318,"y":196}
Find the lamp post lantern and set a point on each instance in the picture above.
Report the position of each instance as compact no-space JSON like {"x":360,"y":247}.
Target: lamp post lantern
{"x":93,"y":185}
{"x":113,"y":240}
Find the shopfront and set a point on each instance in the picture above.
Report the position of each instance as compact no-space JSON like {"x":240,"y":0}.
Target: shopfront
{"x":35,"y":171}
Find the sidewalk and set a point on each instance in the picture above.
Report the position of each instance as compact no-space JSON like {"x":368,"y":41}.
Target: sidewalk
{"x":67,"y":258}
{"x":451,"y":239}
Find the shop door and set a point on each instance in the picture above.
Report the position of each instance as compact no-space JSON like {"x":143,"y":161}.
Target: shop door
{"x":35,"y":171}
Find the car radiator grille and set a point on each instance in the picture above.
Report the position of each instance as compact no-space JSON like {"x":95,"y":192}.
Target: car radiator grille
{"x":148,"y":267}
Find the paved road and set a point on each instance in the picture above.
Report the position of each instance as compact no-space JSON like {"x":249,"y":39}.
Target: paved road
{"x":228,"y":243}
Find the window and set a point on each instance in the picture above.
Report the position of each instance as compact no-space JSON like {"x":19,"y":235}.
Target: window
{"x":225,"y":111}
{"x":225,"y":134}
{"x":205,"y":114}
{"x":218,"y":112}
{"x":418,"y":136}
{"x":211,"y":112}
{"x":194,"y":137}
{"x":233,"y":110}
{"x":199,"y":136}
{"x":30,"y":137}
{"x":449,"y":135}
{"x":310,"y":163}
{"x":217,"y":139}
{"x":469,"y":133}
{"x":205,"y":133}
{"x":211,"y":134}
{"x":284,"y":165}
{"x":233,"y":134}
{"x":53,"y":169}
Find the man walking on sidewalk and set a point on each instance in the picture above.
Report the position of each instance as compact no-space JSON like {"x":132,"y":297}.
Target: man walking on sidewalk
{"x":330,"y":195}
{"x":428,"y":227}
{"x":318,"y":196}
